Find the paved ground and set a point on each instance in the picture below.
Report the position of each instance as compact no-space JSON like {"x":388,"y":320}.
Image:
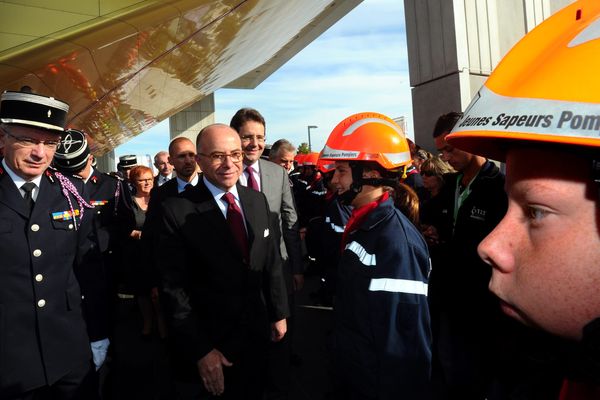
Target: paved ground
{"x":142,"y":371}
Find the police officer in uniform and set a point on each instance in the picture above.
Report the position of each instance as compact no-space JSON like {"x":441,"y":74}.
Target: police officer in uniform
{"x":44,"y":346}
{"x":73,"y":159}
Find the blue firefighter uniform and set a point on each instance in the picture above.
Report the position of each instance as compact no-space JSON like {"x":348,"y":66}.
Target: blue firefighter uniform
{"x":382,"y":336}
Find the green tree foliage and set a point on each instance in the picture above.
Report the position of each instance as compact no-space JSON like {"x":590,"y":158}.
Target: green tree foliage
{"x":303,"y":148}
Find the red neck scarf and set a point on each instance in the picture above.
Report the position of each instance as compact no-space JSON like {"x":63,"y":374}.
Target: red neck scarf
{"x":359,"y":215}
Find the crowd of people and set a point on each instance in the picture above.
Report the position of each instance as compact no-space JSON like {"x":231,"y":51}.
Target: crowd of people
{"x":447,"y":278}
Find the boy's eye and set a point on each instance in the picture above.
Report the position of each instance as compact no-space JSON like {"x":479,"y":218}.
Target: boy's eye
{"x":536,"y":213}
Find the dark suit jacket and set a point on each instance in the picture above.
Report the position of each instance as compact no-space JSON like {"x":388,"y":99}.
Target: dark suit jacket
{"x":151,"y":230}
{"x":171,"y":177}
{"x":275,"y":185}
{"x":153,"y":213}
{"x":40,"y":341}
{"x":214,"y":299}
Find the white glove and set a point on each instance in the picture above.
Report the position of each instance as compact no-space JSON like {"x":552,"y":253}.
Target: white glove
{"x":99,"y":349}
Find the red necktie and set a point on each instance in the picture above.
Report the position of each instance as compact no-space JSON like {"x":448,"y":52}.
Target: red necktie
{"x":235,"y":220}
{"x":252,"y":184}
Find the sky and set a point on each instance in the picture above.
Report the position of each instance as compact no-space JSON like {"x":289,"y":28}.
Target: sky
{"x":360,"y":64}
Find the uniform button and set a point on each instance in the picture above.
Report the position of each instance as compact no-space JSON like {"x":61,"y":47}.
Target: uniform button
{"x":70,"y":226}
{"x":35,"y":227}
{"x":39,"y":277}
{"x":41,"y":303}
{"x":98,"y":212}
{"x":37,"y":253}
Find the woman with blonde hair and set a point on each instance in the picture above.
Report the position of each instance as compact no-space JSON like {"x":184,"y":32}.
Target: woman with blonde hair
{"x":432,"y":171}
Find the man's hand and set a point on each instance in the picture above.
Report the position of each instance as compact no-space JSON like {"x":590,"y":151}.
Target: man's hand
{"x":430,"y":234}
{"x":210,"y":368}
{"x":298,"y":282}
{"x":278,"y":330}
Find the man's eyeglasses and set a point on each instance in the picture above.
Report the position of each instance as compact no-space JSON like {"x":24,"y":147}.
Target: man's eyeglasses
{"x":29,"y":142}
{"x":220,"y":158}
{"x":427,"y":173}
{"x":144,"y":180}
{"x":248,"y":138}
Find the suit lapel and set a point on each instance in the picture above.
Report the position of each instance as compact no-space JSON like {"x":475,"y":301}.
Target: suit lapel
{"x":11,"y":196}
{"x":250,"y":209}
{"x":208,"y":209}
{"x":265,"y":178}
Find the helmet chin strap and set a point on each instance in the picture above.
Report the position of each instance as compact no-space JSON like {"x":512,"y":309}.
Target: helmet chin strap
{"x":349,"y":195}
{"x":596,"y":174}
{"x":358,"y":182}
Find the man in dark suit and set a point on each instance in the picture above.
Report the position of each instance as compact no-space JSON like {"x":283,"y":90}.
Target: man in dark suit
{"x":44,"y":228}
{"x":182,"y":155}
{"x":273,"y":181}
{"x":221,"y":273}
{"x":164,"y":167}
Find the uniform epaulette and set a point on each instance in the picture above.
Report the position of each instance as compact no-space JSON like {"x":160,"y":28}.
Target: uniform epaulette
{"x":116,"y":175}
{"x":109,"y":175}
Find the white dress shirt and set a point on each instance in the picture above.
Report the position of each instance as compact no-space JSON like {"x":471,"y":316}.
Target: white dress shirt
{"x":181,"y":184}
{"x":218,"y":193}
{"x":244,"y":176}
{"x":18,"y":181}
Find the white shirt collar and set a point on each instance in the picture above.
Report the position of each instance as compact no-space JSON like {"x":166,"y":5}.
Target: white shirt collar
{"x":217,"y":193}
{"x":255,"y":167}
{"x":90,"y":175}
{"x":181,"y":184}
{"x":244,"y":178}
{"x":18,"y":181}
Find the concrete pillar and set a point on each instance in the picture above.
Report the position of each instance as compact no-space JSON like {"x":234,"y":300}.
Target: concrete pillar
{"x":188,"y":122}
{"x":106,"y":163}
{"x":454,"y":45}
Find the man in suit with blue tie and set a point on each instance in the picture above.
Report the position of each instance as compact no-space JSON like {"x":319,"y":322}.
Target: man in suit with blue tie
{"x":221,"y":273}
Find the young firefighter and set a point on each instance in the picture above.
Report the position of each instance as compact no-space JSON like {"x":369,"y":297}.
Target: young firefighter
{"x":382,"y":338}
{"x":540,"y":113}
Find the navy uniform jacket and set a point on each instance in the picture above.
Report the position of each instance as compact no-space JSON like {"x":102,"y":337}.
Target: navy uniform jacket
{"x":100,"y":191}
{"x":382,"y":336}
{"x":94,"y":275}
{"x":215,"y":298}
{"x":323,"y":239}
{"x":42,"y":330}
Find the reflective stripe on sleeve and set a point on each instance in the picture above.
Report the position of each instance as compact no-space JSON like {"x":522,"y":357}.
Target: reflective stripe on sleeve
{"x":364,"y":257}
{"x":398,"y":286}
{"x":336,"y":228}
